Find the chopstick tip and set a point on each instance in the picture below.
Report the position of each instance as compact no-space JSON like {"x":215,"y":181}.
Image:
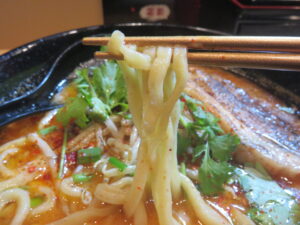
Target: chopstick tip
{"x":107,"y":55}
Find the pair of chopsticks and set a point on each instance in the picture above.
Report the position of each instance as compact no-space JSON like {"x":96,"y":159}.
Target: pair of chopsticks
{"x":222,"y":51}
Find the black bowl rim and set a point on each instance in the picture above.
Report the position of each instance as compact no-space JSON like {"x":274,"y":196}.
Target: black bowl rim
{"x":19,"y":50}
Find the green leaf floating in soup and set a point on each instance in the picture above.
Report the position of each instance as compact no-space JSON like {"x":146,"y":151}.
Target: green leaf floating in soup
{"x":271,"y":204}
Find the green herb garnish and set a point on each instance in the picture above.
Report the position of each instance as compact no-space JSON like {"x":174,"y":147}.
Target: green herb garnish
{"x":270,"y":204}
{"x":81,"y":178}
{"x":260,"y":217}
{"x":101,"y":92}
{"x":213,"y":174}
{"x":74,"y":110}
{"x":182,"y":168}
{"x":47,"y":130}
{"x":295,"y":213}
{"x":117,"y":163}
{"x":209,"y":144}
{"x":36,"y":201}
{"x":89,"y":155}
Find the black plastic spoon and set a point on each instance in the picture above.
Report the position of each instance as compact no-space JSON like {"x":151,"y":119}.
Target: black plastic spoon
{"x":39,"y":97}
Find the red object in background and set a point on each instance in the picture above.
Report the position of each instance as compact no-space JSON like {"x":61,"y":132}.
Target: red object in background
{"x":132,"y":9}
{"x":155,"y":12}
{"x":150,"y":11}
{"x":212,"y":14}
{"x":160,"y":11}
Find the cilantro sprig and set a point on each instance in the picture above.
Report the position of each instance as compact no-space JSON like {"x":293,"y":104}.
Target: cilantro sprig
{"x":260,"y":217}
{"x":270,"y":204}
{"x":101,"y":92}
{"x":202,"y":133}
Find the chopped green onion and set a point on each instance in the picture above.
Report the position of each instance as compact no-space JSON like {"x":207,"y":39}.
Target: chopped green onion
{"x":47,"y":130}
{"x":117,"y":163}
{"x":182,"y":168}
{"x":36,"y":201}
{"x":81,"y":177}
{"x":63,"y":154}
{"x":89,"y":155}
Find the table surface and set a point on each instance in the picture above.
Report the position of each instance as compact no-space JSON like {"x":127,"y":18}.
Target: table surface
{"x":27,"y":20}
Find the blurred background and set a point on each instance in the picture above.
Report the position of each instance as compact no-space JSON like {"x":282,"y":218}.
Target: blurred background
{"x":22,"y":21}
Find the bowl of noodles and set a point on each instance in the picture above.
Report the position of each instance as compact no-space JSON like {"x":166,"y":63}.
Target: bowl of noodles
{"x":146,"y":140}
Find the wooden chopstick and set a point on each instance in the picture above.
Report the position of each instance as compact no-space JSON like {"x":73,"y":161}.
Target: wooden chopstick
{"x":234,"y":59}
{"x":239,"y":43}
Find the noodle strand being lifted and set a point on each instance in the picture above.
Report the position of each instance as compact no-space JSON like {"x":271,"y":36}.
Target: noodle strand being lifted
{"x":155,"y":78}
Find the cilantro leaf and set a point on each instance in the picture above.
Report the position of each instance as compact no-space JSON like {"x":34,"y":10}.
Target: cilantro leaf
{"x":99,"y":109}
{"x":295,"y":213}
{"x":209,"y":144}
{"x":119,"y":96}
{"x":110,"y":88}
{"x":191,"y":102}
{"x":101,"y":92}
{"x":47,"y":130}
{"x":222,"y":146}
{"x":183,"y":142}
{"x":102,"y":83}
{"x":203,"y":119}
{"x":199,"y":149}
{"x":213,"y":175}
{"x":274,"y":204}
{"x":75,"y":109}
{"x":260,"y":217}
